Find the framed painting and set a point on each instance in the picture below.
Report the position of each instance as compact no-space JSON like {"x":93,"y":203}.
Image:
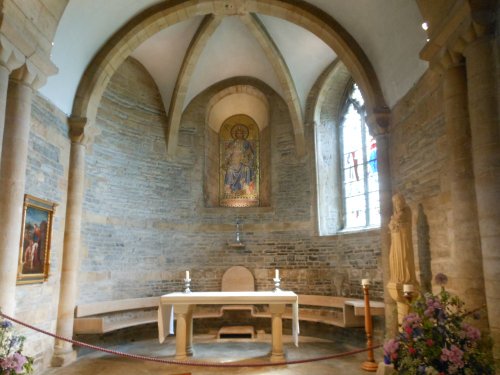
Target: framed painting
{"x":34,"y":249}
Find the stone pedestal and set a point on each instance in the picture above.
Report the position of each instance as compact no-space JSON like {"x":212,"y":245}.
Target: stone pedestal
{"x":396,"y":292}
{"x":384,"y":369}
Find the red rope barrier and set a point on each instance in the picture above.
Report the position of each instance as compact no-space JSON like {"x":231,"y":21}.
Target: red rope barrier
{"x":185,"y":363}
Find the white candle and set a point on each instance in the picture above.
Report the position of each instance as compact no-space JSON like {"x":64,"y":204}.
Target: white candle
{"x":408,"y":288}
{"x":277,"y":274}
{"x":187,"y":275}
{"x":365,"y":282}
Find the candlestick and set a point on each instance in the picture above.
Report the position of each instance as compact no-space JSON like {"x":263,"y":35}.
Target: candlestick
{"x":408,"y":292}
{"x":277,"y":281}
{"x":238,"y":231}
{"x":365,"y":282}
{"x":408,"y":288}
{"x":369,"y":364}
{"x":187,"y":283}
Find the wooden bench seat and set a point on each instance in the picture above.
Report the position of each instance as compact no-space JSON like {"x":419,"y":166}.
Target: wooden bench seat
{"x":108,"y":316}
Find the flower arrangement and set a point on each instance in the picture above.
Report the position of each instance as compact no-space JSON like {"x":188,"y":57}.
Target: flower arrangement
{"x":12,"y":361}
{"x":435,"y":338}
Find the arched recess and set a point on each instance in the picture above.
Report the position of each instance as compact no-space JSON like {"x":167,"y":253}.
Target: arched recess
{"x":158,"y":17}
{"x":228,"y":102}
{"x":325,"y":107}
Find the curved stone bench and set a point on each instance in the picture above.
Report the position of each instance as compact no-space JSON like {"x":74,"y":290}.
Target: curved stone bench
{"x":107,"y":316}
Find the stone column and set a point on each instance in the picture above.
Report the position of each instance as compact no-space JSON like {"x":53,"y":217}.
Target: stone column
{"x":63,"y":351}
{"x":465,"y":271}
{"x":12,"y":180}
{"x":385,"y":192}
{"x":4,"y":84}
{"x":485,"y":132}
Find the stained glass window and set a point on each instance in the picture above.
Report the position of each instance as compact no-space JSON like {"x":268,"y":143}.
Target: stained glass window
{"x":359,"y":166}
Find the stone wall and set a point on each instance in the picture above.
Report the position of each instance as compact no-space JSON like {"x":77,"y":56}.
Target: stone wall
{"x":46,"y":178}
{"x":419,"y":163}
{"x":145,"y":220}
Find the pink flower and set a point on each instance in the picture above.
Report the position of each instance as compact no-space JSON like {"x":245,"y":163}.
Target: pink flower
{"x":391,"y":346}
{"x":472,"y":333}
{"x":453,"y":355}
{"x":14,"y":362}
{"x":20,"y":360}
{"x":429,"y":342}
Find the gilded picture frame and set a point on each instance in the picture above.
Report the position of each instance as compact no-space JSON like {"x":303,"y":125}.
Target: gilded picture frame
{"x":36,"y":234}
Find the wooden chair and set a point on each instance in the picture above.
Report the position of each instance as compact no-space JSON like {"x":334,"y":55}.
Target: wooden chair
{"x":238,"y":279}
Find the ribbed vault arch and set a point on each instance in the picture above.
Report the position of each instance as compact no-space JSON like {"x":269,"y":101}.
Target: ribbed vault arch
{"x":281,"y":69}
{"x":203,"y":34}
{"x":156,"y":18}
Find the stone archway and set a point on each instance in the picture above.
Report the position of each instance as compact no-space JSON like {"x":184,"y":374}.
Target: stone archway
{"x":156,"y":18}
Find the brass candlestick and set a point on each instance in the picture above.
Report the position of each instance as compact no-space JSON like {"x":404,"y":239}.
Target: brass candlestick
{"x":369,"y":364}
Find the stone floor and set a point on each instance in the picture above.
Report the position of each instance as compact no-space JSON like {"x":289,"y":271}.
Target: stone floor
{"x":234,"y":351}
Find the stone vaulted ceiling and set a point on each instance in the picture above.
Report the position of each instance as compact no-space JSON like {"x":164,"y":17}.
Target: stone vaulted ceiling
{"x":188,"y":56}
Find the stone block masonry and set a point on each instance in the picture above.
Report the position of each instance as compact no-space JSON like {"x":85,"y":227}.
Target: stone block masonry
{"x":146,"y":221}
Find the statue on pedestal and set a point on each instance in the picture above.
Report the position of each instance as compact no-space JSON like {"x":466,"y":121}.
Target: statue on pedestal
{"x":401,"y":259}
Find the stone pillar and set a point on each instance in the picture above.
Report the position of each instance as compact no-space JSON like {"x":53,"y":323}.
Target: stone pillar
{"x":63,"y":351}
{"x":385,"y":192}
{"x":4,"y":84}
{"x":12,"y":180}
{"x":485,"y":129}
{"x":465,"y":271}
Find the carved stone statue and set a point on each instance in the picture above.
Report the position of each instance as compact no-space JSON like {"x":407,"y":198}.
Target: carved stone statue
{"x":401,"y":261}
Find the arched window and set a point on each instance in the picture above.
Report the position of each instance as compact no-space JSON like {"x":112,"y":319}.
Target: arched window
{"x":361,"y":206}
{"x":346,"y":164}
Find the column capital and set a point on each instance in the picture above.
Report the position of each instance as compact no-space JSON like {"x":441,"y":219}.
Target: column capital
{"x":79,"y":130}
{"x":378,"y":121}
{"x":447,"y":59}
{"x":10,"y":56}
{"x":467,"y":21}
{"x":29,"y":75}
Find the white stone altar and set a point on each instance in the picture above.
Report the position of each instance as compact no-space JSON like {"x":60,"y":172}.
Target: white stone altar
{"x":183,"y":305}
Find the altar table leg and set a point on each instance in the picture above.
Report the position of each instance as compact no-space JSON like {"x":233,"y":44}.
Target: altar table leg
{"x":277,"y":311}
{"x":183,"y":334}
{"x":189,"y":332}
